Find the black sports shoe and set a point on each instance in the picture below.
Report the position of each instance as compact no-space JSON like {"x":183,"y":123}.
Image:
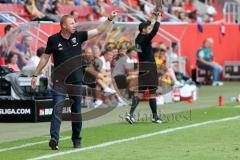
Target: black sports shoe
{"x":76,"y":144}
{"x":157,"y":120}
{"x":53,"y":143}
{"x":130,"y":119}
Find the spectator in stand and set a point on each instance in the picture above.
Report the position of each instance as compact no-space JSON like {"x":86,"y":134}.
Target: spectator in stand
{"x":205,"y":61}
{"x":188,"y":7}
{"x":125,"y":72}
{"x":75,"y":15}
{"x":35,"y":13}
{"x":80,"y":2}
{"x":12,"y":62}
{"x":144,"y":8}
{"x":91,"y":2}
{"x":53,"y":11}
{"x":211,"y":12}
{"x":66,"y":2}
{"x":25,"y":50}
{"x":4,"y":46}
{"x":165,"y":70}
{"x":99,"y":9}
{"x":96,"y":51}
{"x":32,"y":63}
{"x":183,"y":17}
{"x":105,"y":78}
{"x":35,"y":59}
{"x":90,"y":17}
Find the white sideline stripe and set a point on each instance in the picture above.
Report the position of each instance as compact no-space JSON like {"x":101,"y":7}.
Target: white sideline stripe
{"x":28,"y":145}
{"x":134,"y":138}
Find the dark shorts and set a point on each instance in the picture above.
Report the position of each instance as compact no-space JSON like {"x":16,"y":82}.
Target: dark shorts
{"x":148,"y":77}
{"x":121,"y":81}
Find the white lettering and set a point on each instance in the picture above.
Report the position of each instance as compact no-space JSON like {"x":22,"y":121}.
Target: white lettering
{"x":15,"y":111}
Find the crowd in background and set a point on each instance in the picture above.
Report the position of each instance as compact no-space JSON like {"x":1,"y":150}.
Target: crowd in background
{"x":117,"y":59}
{"x":48,"y":10}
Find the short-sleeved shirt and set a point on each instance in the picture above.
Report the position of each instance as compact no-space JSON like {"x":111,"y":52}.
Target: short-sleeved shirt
{"x":105,"y":64}
{"x":206,"y":54}
{"x":122,"y":65}
{"x":63,"y":49}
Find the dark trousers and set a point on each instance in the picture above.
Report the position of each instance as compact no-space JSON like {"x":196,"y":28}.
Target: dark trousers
{"x":58,"y":101}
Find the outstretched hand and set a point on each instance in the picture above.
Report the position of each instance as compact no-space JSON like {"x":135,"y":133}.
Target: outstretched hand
{"x":158,"y":11}
{"x":113,"y":15}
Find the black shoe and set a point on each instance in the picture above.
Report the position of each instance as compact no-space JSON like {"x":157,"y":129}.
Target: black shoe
{"x":53,"y":143}
{"x":157,"y":120}
{"x":130,"y":119}
{"x":76,"y":144}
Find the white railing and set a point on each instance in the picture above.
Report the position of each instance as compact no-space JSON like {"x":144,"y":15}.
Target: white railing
{"x":22,"y":21}
{"x":231,"y":12}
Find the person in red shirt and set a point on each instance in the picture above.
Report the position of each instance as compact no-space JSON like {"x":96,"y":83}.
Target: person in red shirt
{"x":12,"y":62}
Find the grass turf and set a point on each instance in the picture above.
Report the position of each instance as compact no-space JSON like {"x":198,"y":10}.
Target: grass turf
{"x":194,"y":142}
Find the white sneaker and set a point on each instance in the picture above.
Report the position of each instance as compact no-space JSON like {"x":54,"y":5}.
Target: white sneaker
{"x":217,"y":83}
{"x":120,"y":104}
{"x":178,"y":84}
{"x":98,"y":103}
{"x":109,"y":91}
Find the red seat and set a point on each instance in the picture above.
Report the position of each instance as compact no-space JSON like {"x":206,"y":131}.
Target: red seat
{"x":2,"y":61}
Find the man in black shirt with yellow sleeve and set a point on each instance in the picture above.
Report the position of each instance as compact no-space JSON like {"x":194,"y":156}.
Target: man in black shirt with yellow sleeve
{"x":148,"y":78}
{"x":65,"y":47}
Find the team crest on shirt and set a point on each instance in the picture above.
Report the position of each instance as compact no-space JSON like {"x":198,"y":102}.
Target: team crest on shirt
{"x":74,"y":41}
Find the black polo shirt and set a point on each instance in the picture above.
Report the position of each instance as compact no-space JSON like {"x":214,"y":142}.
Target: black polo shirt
{"x":64,"y":49}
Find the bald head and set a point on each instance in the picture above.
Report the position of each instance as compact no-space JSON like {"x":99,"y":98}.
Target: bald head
{"x":208,"y":42}
{"x":68,"y":24}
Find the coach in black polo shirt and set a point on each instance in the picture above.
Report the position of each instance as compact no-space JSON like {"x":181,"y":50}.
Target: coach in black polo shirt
{"x":63,"y":46}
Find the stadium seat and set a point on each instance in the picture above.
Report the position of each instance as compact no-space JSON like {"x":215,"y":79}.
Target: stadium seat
{"x":203,"y":76}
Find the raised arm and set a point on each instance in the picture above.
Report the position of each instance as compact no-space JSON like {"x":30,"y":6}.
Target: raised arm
{"x":102,"y":27}
{"x":157,"y":16}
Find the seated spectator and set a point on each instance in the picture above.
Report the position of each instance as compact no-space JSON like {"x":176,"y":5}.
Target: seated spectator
{"x":99,"y":9}
{"x":35,"y":59}
{"x":211,"y":12}
{"x":144,"y":8}
{"x":53,"y":11}
{"x":205,"y":61}
{"x":3,"y":46}
{"x":165,"y":71}
{"x":90,"y":17}
{"x":125,"y":71}
{"x":96,"y":76}
{"x":25,"y":50}
{"x":96,"y":51}
{"x":35,"y":13}
{"x":105,"y":71}
{"x":12,"y":62}
{"x":66,"y":2}
{"x":182,"y":16}
{"x":75,"y":15}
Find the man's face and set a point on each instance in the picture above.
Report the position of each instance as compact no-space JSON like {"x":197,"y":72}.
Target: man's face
{"x":96,"y":51}
{"x":69,"y":25}
{"x":122,"y":51}
{"x":89,"y":54}
{"x":109,"y":56}
{"x":27,"y":41}
{"x":133,"y":54}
